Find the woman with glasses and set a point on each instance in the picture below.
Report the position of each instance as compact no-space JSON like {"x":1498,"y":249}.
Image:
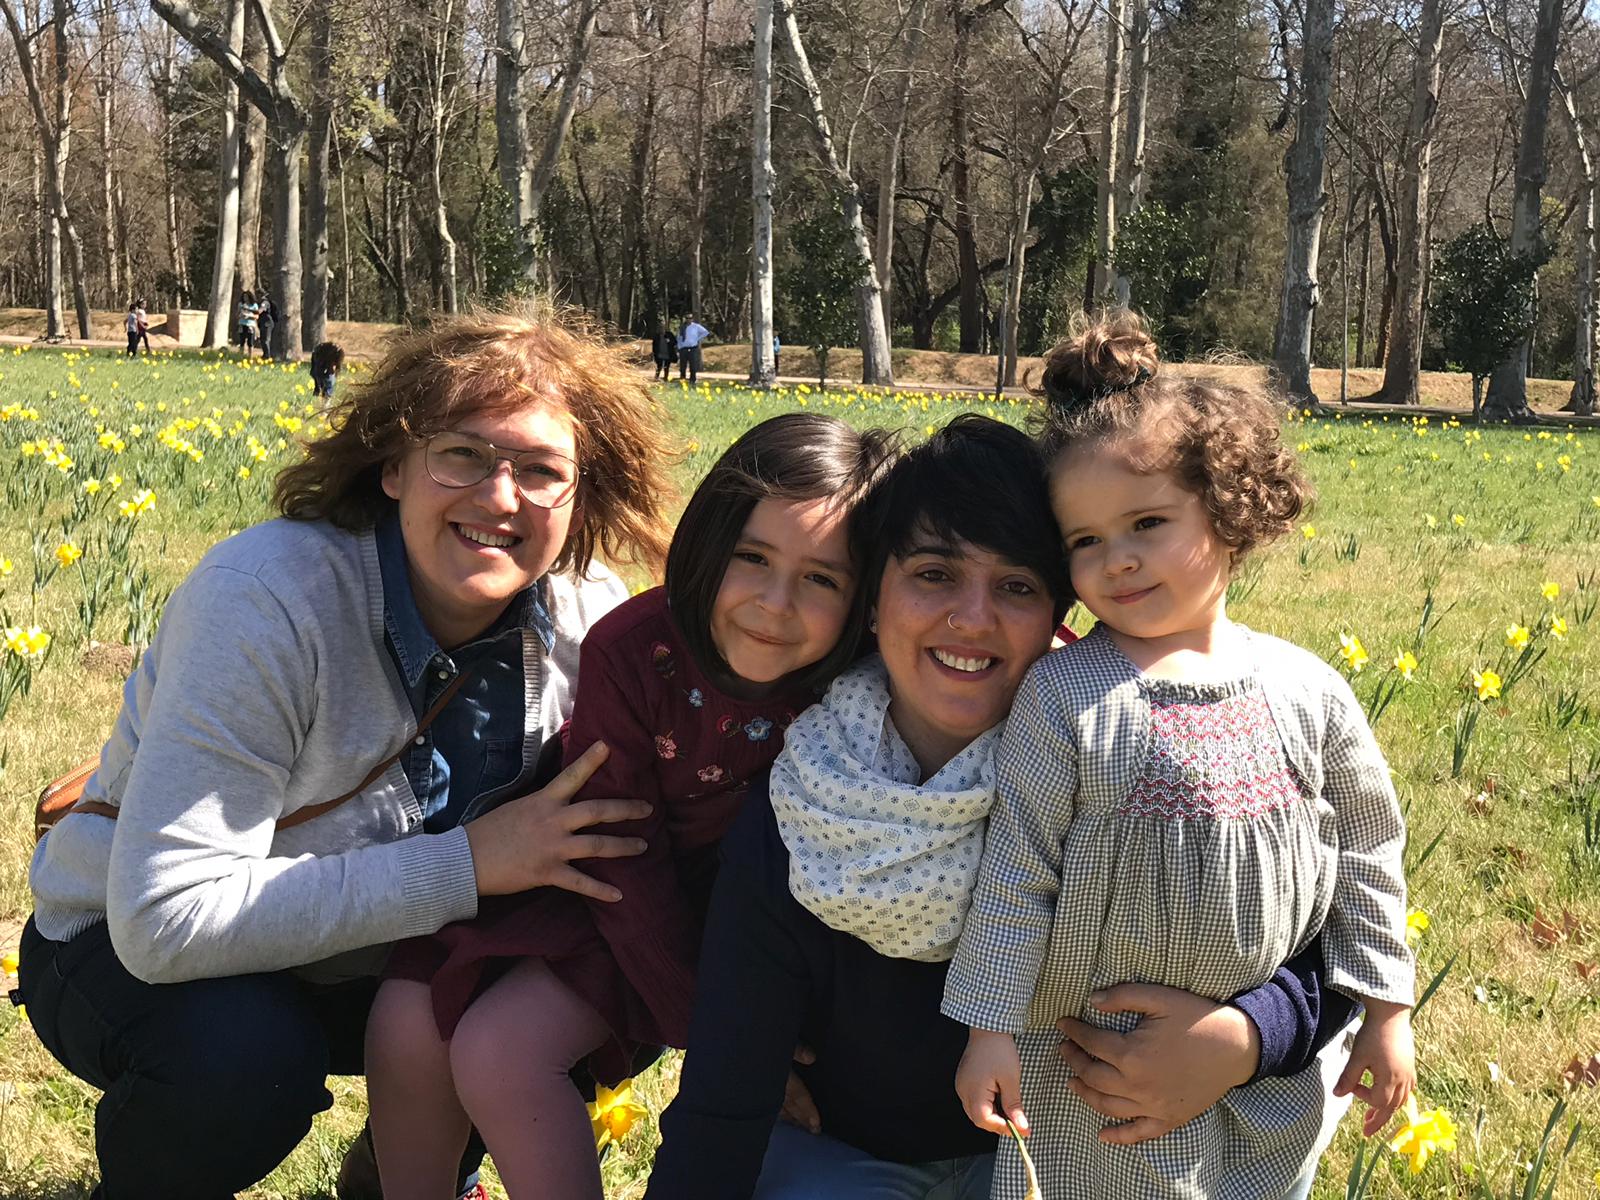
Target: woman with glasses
{"x":333,"y":742}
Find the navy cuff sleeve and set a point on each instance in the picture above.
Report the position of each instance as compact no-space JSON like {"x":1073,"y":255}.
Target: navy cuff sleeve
{"x":1296,"y":1015}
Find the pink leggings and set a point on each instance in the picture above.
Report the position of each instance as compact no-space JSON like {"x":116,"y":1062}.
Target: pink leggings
{"x":505,"y":1071}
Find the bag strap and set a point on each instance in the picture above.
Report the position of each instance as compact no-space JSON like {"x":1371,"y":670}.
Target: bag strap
{"x":312,"y":812}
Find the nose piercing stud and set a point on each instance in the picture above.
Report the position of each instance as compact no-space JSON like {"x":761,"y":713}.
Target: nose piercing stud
{"x":952,"y":620}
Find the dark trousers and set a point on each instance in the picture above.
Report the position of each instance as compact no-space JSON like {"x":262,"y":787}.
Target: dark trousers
{"x":208,"y":1084}
{"x":133,"y":342}
{"x":689,"y":363}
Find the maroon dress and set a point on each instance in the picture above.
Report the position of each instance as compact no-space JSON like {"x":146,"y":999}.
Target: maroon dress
{"x":687,"y":748}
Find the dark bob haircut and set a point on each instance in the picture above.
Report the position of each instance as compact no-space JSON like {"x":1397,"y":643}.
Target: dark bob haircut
{"x":794,"y":457}
{"x":977,"y":481}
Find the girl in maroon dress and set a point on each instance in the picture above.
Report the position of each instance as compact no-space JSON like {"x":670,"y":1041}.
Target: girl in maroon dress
{"x":690,"y":686}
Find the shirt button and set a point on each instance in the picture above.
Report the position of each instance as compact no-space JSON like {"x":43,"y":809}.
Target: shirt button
{"x":420,"y":739}
{"x":444,"y":674}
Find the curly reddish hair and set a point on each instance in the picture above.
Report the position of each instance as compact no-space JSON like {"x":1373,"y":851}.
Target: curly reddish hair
{"x":500,"y":362}
{"x":1221,"y":441}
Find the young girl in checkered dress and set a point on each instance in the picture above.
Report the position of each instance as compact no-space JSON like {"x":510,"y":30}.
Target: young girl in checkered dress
{"x":1180,"y":800}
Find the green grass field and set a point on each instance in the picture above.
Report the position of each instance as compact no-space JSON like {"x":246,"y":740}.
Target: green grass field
{"x":1476,"y":552}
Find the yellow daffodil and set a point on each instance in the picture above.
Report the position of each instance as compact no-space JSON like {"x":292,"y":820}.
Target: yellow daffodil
{"x":67,"y":554}
{"x":1558,"y":627}
{"x":1308,"y":532}
{"x":1486,"y":683}
{"x":1417,"y":923}
{"x":1406,"y":663}
{"x":91,"y":486}
{"x":1517,"y":636}
{"x":1457,"y":520}
{"x":31,"y":642}
{"x":8,"y":962}
{"x":613,"y":1112}
{"x":1432,"y":521}
{"x":1550,"y":589}
{"x":6,"y":567}
{"x":1352,"y":651}
{"x":1423,"y":1135}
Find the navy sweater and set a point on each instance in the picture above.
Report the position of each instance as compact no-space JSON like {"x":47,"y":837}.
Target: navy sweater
{"x":773,"y":976}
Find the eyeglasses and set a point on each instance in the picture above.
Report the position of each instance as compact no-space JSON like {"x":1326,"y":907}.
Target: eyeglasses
{"x":460,"y":460}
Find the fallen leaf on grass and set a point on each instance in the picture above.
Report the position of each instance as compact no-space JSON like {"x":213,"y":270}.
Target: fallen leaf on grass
{"x":1582,"y":1072}
{"x":1552,"y":931}
{"x":1586,"y":970}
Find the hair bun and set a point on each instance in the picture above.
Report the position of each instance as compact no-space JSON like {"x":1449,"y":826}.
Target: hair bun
{"x":1106,"y":354}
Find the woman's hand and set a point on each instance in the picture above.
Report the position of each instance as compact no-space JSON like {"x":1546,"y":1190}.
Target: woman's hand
{"x":531,"y":841}
{"x":1185,"y":1054}
{"x":799,"y":1108}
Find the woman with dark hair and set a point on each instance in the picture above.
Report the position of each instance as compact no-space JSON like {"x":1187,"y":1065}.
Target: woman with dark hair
{"x":249,"y":310}
{"x":332,"y":744}
{"x":690,"y":687}
{"x":844,"y":880}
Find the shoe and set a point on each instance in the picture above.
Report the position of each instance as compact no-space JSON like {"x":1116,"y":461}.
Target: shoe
{"x":358,"y":1173}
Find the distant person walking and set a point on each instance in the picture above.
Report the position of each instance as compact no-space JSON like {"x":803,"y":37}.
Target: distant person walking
{"x":144,"y":324}
{"x":777,"y":349}
{"x":266,"y":321}
{"x":248,"y":310}
{"x":664,"y":350}
{"x":327,"y":360}
{"x":689,"y":342}
{"x":131,"y":323}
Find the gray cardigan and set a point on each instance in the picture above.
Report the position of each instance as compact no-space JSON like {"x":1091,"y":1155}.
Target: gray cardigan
{"x":268,"y":688}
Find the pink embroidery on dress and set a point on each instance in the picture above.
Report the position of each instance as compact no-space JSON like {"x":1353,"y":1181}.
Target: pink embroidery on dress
{"x":665,"y":746}
{"x":1212,"y":760}
{"x":711,"y":774}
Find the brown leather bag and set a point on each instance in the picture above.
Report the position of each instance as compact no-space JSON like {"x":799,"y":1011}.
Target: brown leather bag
{"x":65,"y":795}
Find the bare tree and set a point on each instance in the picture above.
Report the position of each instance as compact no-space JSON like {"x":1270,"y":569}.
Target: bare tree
{"x":1507,"y":398}
{"x":1105,"y":204}
{"x":55,"y":141}
{"x":317,"y":175}
{"x":1304,"y":164}
{"x":876,"y":366}
{"x":914,"y":17}
{"x":1404,"y":361}
{"x":511,"y":123}
{"x":219,"y":312}
{"x":1130,"y":174}
{"x":763,"y":371}
{"x":1586,"y":342}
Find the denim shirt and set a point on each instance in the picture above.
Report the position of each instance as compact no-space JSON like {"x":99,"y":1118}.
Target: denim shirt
{"x":475,"y":744}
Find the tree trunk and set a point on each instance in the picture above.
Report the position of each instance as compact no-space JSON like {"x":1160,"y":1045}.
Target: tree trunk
{"x":1304,"y":167}
{"x":287,"y":143}
{"x":1130,"y":181}
{"x":1404,"y":359}
{"x":106,"y":89}
{"x":1011,"y":301}
{"x":511,"y":125}
{"x":317,"y":176}
{"x":697,"y":164}
{"x":1586,"y":341}
{"x":763,"y":371}
{"x":252,"y":164}
{"x":555,"y":138}
{"x":1105,"y":205}
{"x":877,"y":368}
{"x":1507,"y":398}
{"x":169,"y":85}
{"x":219,"y":311}
{"x":49,"y":179}
{"x":889,"y":177}
{"x":971,"y":303}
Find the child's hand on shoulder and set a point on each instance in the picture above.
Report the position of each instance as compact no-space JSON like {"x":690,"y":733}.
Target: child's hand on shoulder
{"x":1384,"y":1047}
{"x":989,"y":1082}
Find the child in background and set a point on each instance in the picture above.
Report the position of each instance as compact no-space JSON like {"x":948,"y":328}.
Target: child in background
{"x":131,"y":324}
{"x":327,"y":360}
{"x":1180,"y":800}
{"x":248,"y":310}
{"x":690,"y":686}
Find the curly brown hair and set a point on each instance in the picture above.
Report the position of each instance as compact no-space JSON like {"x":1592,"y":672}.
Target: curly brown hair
{"x":1221,"y":441}
{"x":497,"y":362}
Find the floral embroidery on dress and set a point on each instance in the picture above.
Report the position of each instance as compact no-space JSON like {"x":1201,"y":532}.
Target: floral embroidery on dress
{"x":665,"y":746}
{"x":697,"y":698}
{"x":711,"y":774}
{"x":662,"y":660}
{"x":727,"y":725}
{"x":758,"y":730}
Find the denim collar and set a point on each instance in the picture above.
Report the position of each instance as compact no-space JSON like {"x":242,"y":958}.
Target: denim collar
{"x":414,"y":646}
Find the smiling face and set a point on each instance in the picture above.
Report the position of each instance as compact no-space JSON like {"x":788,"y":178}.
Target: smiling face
{"x":471,"y":550}
{"x":1143,"y":555}
{"x":786,"y":592}
{"x":958,"y":627}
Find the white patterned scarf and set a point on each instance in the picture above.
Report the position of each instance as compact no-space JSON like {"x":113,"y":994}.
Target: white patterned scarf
{"x":872,"y":852}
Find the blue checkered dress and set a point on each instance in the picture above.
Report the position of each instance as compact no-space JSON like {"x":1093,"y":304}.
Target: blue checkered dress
{"x":1191,"y":835}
